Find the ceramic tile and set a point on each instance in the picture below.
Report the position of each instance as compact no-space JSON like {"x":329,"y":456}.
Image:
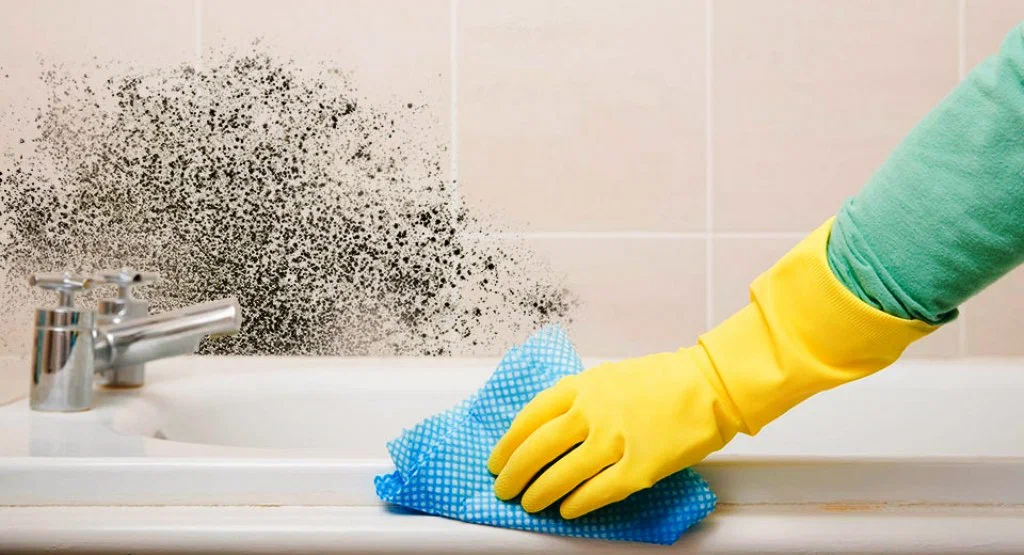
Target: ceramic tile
{"x":810,"y":96}
{"x":578,"y":116}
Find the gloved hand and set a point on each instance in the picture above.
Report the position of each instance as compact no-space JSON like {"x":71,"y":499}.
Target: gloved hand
{"x":623,"y":426}
{"x":635,"y":421}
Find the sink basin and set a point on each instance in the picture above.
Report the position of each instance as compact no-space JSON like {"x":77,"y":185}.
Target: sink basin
{"x":350,"y":410}
{"x":331,"y":412}
{"x":296,"y":431}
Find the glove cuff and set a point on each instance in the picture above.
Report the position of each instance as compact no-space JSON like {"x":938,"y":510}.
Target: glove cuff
{"x":803,"y":332}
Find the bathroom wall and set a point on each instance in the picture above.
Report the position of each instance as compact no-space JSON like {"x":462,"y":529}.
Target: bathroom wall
{"x":438,"y":177}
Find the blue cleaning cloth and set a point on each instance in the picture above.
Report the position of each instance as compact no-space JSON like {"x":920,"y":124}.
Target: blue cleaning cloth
{"x":441,"y":463}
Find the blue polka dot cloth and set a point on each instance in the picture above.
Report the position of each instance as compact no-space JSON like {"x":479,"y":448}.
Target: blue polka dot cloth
{"x":441,"y":463}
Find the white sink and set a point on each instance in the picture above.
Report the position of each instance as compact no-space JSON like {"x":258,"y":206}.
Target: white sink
{"x":270,"y":431}
{"x":927,"y":452}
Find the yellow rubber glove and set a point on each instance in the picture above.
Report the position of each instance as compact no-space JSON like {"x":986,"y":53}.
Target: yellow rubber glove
{"x":623,"y":426}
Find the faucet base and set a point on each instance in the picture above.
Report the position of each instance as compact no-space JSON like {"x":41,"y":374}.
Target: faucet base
{"x":122,"y":377}
{"x":62,"y":361}
{"x":120,"y":385}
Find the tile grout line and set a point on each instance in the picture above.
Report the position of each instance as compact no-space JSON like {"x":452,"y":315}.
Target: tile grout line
{"x":453,"y":107}
{"x":454,"y":199}
{"x":961,"y":335}
{"x":760,"y":234}
{"x":693,"y":235}
{"x":589,"y":235}
{"x":708,"y":169}
{"x":961,"y":38}
{"x":197,"y":9}
{"x":197,"y":45}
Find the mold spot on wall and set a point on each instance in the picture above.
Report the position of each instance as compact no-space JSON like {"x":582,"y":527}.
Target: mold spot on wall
{"x":325,"y":213}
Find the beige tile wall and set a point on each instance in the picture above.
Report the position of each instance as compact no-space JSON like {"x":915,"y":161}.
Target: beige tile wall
{"x":567,"y":109}
{"x":80,"y":34}
{"x":810,"y":96}
{"x":636,"y":296}
{"x":659,"y":153}
{"x":397,"y":50}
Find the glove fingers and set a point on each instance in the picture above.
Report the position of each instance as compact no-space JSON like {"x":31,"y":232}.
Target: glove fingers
{"x":543,"y":408}
{"x":581,"y":464}
{"x":613,"y":484}
{"x":545,"y":445}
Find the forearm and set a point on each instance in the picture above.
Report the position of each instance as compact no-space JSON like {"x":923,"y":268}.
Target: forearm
{"x":944,"y":216}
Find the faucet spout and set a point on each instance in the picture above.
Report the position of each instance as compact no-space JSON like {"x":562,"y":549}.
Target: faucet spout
{"x":70,"y":345}
{"x":168,"y":334}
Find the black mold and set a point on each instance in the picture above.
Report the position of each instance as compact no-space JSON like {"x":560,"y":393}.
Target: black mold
{"x":327,"y":217}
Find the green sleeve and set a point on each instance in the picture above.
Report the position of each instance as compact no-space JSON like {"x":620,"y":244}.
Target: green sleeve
{"x":944,"y":216}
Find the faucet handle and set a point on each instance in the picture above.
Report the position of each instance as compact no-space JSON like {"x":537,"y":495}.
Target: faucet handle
{"x":125,"y":278}
{"x":64,"y":283}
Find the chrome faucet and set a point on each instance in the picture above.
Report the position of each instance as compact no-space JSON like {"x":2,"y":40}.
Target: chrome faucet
{"x":72,"y":344}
